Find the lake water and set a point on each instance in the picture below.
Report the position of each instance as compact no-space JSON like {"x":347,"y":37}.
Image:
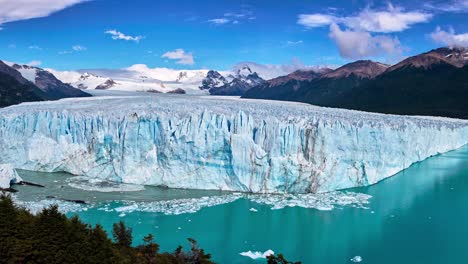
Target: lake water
{"x":418,"y":216}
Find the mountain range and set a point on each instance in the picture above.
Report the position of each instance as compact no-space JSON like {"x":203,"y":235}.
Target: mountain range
{"x":22,"y":83}
{"x":432,"y":83}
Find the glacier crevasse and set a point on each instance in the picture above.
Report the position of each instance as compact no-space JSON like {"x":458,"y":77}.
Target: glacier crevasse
{"x":220,"y":143}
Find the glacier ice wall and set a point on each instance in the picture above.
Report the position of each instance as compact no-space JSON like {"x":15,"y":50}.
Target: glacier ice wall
{"x":8,"y":175}
{"x":220,"y":143}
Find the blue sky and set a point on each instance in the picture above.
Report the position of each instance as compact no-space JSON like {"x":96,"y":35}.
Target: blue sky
{"x":75,"y":34}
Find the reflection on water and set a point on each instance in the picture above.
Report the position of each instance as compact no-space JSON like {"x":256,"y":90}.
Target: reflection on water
{"x":418,"y":216}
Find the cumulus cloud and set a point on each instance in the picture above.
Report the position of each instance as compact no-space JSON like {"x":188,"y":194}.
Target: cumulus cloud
{"x":180,"y":56}
{"x":79,"y":48}
{"x":449,"y":38}
{"x":119,"y":35}
{"x":26,"y":9}
{"x":393,"y":19}
{"x":360,"y":44}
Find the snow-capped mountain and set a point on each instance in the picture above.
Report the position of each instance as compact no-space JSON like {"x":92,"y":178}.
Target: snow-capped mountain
{"x":235,"y":83}
{"x":136,"y":78}
{"x":213,"y":79}
{"x":47,"y":82}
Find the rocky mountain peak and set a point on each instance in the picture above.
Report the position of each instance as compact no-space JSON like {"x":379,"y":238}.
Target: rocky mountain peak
{"x":364,"y":69}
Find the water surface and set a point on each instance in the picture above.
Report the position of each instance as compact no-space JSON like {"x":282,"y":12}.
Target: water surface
{"x":418,"y":216}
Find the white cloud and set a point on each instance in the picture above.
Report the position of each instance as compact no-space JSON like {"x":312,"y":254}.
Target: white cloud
{"x":449,"y":38}
{"x":180,"y":56}
{"x":34,"y":47}
{"x":294,"y":43}
{"x":270,"y":71}
{"x":79,"y":48}
{"x":245,"y":14}
{"x":119,"y":35}
{"x":63,"y":52}
{"x":26,"y":9}
{"x":34,"y":63}
{"x":454,"y":6}
{"x":316,"y":20}
{"x":393,"y":19}
{"x":361,"y":44}
{"x":219,"y":21}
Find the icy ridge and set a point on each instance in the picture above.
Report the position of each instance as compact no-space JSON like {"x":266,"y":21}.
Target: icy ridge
{"x":220,"y":143}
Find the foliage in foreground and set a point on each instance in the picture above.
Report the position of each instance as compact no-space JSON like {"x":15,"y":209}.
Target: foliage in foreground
{"x":272,"y":259}
{"x":51,"y":237}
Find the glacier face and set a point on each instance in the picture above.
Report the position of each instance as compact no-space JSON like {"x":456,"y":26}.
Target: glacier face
{"x":220,"y":143}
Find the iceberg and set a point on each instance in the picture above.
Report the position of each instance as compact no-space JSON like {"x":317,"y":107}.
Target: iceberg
{"x":220,"y":143}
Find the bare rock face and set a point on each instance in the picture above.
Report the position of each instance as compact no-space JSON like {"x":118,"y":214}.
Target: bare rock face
{"x":364,"y":69}
{"x":106,"y":85}
{"x":457,"y":57}
{"x":177,"y":91}
{"x":52,"y":87}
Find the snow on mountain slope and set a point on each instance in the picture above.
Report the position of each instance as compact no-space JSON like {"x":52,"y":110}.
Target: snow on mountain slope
{"x":136,"y":78}
{"x":52,"y":87}
{"x":140,"y":77}
{"x":220,"y":143}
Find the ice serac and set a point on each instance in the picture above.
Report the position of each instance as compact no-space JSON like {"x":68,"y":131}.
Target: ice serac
{"x":220,"y":143}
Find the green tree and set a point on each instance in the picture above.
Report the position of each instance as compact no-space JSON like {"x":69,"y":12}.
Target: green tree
{"x":149,"y":249}
{"x":122,"y":235}
{"x":272,"y":259}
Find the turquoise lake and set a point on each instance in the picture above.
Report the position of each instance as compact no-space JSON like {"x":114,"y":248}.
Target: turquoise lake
{"x":418,"y":216}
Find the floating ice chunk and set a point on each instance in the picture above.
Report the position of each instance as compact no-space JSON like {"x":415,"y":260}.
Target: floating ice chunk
{"x":99,"y":185}
{"x":322,"y":201}
{"x":253,"y":210}
{"x":356,"y":259}
{"x":36,"y":207}
{"x":257,"y":254}
{"x":175,"y":206}
{"x":8,"y":175}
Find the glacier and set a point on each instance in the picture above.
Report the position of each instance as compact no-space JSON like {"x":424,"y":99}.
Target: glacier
{"x":223,"y":143}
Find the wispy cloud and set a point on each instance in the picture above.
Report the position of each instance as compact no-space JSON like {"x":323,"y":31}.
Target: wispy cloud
{"x":180,"y":56}
{"x":449,"y":38}
{"x":34,"y":63}
{"x":454,"y":6}
{"x":79,"y":48}
{"x":294,"y":43}
{"x":393,"y":19}
{"x":219,"y":21}
{"x":26,"y":9}
{"x":245,"y":14}
{"x":74,"y":48}
{"x":34,"y":47}
{"x":119,"y":35}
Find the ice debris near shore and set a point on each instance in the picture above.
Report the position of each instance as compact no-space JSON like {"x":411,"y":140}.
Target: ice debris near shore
{"x":8,"y":175}
{"x":220,"y":143}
